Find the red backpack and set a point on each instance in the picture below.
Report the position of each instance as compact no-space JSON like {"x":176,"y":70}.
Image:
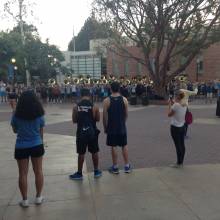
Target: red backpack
{"x":188,"y":117}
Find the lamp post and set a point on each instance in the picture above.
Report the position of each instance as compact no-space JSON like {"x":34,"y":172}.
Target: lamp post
{"x":15,"y":74}
{"x":14,"y":68}
{"x":23,"y":38}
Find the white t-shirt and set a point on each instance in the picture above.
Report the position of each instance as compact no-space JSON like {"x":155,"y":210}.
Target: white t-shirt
{"x":73,"y":88}
{"x":178,"y":119}
{"x":2,"y":88}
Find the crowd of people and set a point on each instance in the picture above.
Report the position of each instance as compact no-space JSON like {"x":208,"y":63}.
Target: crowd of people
{"x":64,"y":93}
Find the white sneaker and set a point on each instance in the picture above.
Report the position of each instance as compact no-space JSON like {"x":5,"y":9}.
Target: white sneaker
{"x":39,"y":200}
{"x":24,"y":203}
{"x":175,"y":165}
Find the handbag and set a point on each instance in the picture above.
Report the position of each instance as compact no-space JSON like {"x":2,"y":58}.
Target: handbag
{"x":188,"y":117}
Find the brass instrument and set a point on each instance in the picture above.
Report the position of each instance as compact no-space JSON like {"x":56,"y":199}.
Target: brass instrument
{"x":103,"y":80}
{"x":75,"y":80}
{"x":51,"y":82}
{"x":181,"y":78}
{"x":128,"y":82}
{"x":87,"y":81}
{"x":67,"y":80}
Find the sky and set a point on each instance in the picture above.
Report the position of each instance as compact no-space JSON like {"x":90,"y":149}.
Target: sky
{"x":55,"y":19}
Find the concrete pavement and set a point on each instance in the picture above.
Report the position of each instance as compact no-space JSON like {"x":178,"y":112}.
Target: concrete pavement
{"x":161,"y":193}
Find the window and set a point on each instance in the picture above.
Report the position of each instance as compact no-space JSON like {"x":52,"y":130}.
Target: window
{"x":115,"y":67}
{"x":139,"y":68}
{"x":152,"y":63}
{"x":199,"y":64}
{"x":126,"y":67}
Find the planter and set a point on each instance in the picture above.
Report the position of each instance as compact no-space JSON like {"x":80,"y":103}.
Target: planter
{"x":145,"y":101}
{"x":159,"y":102}
{"x":218,"y":108}
{"x":133,"y":100}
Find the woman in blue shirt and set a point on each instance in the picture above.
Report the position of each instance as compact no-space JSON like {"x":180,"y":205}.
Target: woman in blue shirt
{"x":28,"y":122}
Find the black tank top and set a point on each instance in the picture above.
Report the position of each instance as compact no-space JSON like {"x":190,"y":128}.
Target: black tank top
{"x":116,"y":116}
{"x":85,"y":114}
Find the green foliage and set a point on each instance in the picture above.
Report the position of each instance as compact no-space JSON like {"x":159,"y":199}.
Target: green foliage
{"x":163,"y":30}
{"x":43,"y":59}
{"x":92,"y":29}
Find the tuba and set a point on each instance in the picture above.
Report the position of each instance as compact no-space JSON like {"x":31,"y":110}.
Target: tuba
{"x":51,"y":82}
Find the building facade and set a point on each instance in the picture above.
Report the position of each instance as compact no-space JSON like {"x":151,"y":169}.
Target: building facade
{"x":205,"y":67}
{"x":83,"y":63}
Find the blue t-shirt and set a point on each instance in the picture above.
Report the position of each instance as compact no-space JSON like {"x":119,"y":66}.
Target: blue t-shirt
{"x":28,"y":132}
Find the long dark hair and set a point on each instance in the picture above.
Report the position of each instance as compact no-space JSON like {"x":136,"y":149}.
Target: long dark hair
{"x":29,"y":106}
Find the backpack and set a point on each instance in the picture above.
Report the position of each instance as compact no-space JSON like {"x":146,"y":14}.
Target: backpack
{"x":86,"y":130}
{"x":188,"y":118}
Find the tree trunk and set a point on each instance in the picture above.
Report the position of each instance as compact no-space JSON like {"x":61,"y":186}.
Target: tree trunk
{"x":160,"y":90}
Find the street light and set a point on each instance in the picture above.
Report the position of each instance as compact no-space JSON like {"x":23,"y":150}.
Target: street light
{"x":13,"y":60}
{"x":15,"y":71}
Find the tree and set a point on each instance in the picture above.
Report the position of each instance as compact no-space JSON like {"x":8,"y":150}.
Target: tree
{"x":165,"y":31}
{"x":20,"y":12}
{"x":92,"y":29}
{"x":43,"y":59}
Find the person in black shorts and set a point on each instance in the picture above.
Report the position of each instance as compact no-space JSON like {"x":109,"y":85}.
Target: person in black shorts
{"x":85,"y":114}
{"x":28,"y":122}
{"x":115,"y":113}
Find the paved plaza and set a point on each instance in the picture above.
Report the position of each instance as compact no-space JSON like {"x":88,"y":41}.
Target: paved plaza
{"x":152,"y":192}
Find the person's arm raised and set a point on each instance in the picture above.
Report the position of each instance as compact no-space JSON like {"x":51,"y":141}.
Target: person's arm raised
{"x":171,"y":112}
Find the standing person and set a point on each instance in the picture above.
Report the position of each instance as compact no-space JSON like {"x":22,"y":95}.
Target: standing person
{"x":3,"y":92}
{"x":62,"y":93}
{"x":74,"y":92}
{"x":56,"y":93}
{"x":44,"y":93}
{"x":177,"y":112}
{"x":85,"y":114}
{"x":28,"y":122}
{"x":115,"y":113}
{"x":185,"y":101}
{"x":68,"y":92}
{"x":209,"y":90}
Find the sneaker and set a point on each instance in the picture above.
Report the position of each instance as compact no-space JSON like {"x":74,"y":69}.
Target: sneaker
{"x":76,"y":176}
{"x":127,"y":169}
{"x":175,"y":165}
{"x":113,"y":170}
{"x":97,"y":173}
{"x":24,"y":203}
{"x":39,"y":200}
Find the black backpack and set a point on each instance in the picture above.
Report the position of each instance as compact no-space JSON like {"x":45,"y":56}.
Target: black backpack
{"x":86,"y":128}
{"x":86,"y":132}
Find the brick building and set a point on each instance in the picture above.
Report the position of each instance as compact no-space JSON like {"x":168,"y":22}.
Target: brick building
{"x":205,"y":67}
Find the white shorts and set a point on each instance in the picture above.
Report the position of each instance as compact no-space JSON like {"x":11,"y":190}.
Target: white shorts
{"x":209,"y":95}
